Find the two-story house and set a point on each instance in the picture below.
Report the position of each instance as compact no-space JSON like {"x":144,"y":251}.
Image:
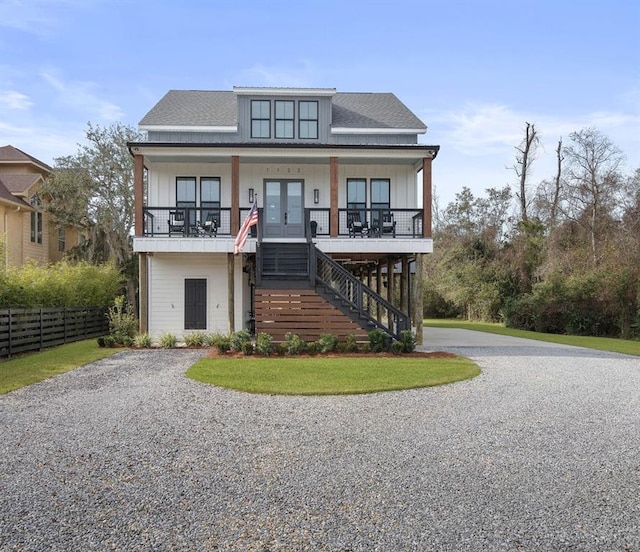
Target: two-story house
{"x":26,"y":232}
{"x":344,"y":195}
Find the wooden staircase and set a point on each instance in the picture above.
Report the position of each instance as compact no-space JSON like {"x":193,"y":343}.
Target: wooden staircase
{"x":304,"y":312}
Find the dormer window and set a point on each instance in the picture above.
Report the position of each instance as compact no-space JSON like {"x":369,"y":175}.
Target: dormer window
{"x":260,"y":119}
{"x":284,"y":119}
{"x":308,"y":119}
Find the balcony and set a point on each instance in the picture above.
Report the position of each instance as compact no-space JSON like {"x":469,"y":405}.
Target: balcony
{"x":198,"y":222}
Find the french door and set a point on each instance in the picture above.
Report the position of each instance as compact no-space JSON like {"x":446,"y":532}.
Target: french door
{"x":283,"y":209}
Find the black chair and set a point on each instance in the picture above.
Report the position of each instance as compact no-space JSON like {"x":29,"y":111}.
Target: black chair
{"x":210,"y":225}
{"x":176,"y":222}
{"x":356,"y":225}
{"x":388,"y":224}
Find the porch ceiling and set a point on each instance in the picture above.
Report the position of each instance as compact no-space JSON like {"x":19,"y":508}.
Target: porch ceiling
{"x":290,"y":153}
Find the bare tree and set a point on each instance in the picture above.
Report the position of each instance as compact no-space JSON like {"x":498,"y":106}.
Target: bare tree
{"x":525,"y":156}
{"x":557,"y":185}
{"x":593,"y":181}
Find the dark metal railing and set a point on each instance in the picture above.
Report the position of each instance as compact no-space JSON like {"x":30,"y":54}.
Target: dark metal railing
{"x":338,"y":281}
{"x":199,"y":222}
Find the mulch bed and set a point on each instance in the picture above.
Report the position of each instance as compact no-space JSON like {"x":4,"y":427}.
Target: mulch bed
{"x":417,"y":354}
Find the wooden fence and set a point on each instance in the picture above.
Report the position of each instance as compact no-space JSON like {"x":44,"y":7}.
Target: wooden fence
{"x":23,"y":330}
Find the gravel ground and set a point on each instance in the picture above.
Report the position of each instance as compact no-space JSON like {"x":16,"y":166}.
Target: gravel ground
{"x":540,"y":452}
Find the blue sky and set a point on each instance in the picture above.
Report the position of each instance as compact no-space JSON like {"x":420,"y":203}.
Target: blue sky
{"x":473,"y":71}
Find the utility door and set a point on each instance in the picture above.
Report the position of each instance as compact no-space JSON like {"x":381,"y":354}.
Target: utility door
{"x":283,"y":209}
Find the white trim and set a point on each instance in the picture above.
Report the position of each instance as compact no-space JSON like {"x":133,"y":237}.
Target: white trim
{"x":411,"y":151}
{"x":251,"y":91}
{"x":345,"y":130}
{"x":186,"y":128}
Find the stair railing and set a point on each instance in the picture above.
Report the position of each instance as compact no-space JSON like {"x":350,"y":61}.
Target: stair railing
{"x":338,"y":281}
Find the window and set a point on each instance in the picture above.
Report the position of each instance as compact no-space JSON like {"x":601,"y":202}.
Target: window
{"x":186,"y":197}
{"x":357,"y":196}
{"x":380,"y":198}
{"x":260,"y":119}
{"x":36,"y":220}
{"x":209,"y":199}
{"x":61,"y":239}
{"x":284,"y":119}
{"x":308,"y":120}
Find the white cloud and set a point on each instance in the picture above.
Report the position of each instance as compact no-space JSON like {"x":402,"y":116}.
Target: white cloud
{"x":14,"y":100}
{"x":82,"y":96}
{"x":477,"y":143}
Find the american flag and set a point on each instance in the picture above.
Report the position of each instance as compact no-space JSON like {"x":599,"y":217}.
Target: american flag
{"x":241,"y":238}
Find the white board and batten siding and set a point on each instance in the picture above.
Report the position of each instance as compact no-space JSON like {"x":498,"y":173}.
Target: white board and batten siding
{"x":167,"y":273}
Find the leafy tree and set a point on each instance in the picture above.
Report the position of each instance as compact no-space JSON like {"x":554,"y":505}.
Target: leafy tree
{"x":93,"y":190}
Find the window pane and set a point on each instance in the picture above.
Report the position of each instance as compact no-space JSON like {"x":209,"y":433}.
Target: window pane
{"x":186,"y":191}
{"x":308,"y":110}
{"x":284,"y":110}
{"x":308,"y":129}
{"x":209,"y":190}
{"x":356,"y":193}
{"x":284,"y":129}
{"x":380,"y":191}
{"x":260,"y":129}
{"x":260,"y":109}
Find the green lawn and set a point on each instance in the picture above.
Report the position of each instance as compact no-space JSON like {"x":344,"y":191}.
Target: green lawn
{"x":34,"y":367}
{"x":625,"y":346}
{"x":330,"y":375}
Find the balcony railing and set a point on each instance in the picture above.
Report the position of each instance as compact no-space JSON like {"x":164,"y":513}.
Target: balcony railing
{"x":208,"y":221}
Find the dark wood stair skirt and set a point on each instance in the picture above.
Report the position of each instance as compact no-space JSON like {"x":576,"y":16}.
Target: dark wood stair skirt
{"x":303,"y":312}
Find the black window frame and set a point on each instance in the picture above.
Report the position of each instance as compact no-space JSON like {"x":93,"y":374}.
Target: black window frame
{"x":210,"y":207}
{"x":291,"y":119}
{"x":261,"y":119}
{"x":302,"y":120}
{"x":379,"y":206}
{"x":62,"y":239}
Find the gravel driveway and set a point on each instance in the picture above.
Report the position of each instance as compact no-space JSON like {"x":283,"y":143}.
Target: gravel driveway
{"x":540,"y":452}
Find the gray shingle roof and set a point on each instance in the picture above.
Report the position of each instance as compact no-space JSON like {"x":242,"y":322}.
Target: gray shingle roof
{"x":194,"y":108}
{"x":372,"y":110}
{"x":219,"y":108}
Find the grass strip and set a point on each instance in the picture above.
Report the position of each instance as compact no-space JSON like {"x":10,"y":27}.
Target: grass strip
{"x":330,"y":375}
{"x":613,"y":345}
{"x":34,"y":367}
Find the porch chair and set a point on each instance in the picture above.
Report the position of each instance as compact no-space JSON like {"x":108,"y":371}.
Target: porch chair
{"x":388,"y":224}
{"x":210,"y":225}
{"x":176,"y":222}
{"x":356,"y":225}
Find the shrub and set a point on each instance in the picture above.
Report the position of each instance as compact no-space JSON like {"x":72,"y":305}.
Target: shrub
{"x":247,"y":348}
{"x":62,"y":284}
{"x":327,"y":343}
{"x":237,"y":340}
{"x":123,"y":324}
{"x":194,"y":339}
{"x":264,"y":344}
{"x":350,"y":344}
{"x":142,"y":341}
{"x":108,"y":341}
{"x":379,"y":341}
{"x":221,"y":342}
{"x":313,"y":348}
{"x":281,"y":349}
{"x":408,"y":341}
{"x":168,"y":340}
{"x":295,"y":344}
{"x":209,"y":339}
{"x":397,"y":348}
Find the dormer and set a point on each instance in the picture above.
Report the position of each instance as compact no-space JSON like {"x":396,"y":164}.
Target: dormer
{"x":284,"y":114}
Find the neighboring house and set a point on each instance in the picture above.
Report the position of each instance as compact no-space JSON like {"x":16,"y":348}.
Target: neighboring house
{"x":344,"y":192}
{"x":25,"y":228}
